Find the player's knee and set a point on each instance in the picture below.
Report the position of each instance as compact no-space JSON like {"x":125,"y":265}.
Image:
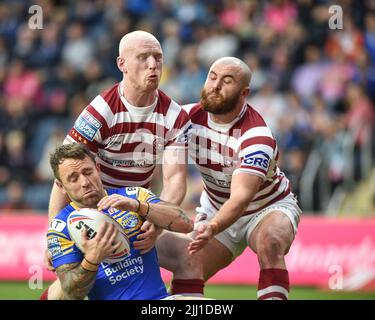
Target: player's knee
{"x":272,"y":247}
{"x":189,"y":266}
{"x":180,"y":262}
{"x":190,"y":263}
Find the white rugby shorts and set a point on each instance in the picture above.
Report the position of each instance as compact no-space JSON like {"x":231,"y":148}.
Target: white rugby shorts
{"x":236,"y":237}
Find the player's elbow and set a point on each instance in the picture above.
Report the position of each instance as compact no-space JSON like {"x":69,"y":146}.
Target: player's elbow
{"x":183,"y":224}
{"x":184,"y":228}
{"x":74,"y":293}
{"x":71,"y":293}
{"x":188,"y":226}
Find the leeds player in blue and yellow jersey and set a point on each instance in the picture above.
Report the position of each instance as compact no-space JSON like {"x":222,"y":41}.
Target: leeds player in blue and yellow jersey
{"x":138,"y":275}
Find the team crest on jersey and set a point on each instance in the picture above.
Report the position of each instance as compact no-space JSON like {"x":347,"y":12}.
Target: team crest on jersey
{"x":130,"y":222}
{"x":228,"y":162}
{"x":87,"y":125}
{"x":258,"y":159}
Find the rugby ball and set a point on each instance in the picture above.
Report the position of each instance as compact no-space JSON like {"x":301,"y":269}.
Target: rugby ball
{"x":91,"y":220}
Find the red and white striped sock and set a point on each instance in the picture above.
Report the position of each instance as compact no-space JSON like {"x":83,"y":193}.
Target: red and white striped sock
{"x":273,"y":284}
{"x":187,"y":286}
{"x":44,"y":295}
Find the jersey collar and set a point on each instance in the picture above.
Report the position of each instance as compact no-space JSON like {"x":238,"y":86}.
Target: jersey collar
{"x":224,"y":127}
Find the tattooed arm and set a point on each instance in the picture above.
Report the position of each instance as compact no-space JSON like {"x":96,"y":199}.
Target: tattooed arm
{"x":77,"y":279}
{"x":76,"y":282}
{"x":163,"y":214}
{"x":167,"y":216}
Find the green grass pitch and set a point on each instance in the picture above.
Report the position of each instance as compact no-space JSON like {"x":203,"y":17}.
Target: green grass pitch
{"x":21,"y":291}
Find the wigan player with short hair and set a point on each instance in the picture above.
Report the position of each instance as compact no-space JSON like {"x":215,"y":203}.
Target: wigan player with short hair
{"x":130,"y":128}
{"x":247,"y":200}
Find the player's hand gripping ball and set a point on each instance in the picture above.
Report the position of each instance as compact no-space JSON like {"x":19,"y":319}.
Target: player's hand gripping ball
{"x":91,"y":220}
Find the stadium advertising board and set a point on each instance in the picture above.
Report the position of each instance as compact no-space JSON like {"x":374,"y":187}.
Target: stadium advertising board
{"x":327,"y":252}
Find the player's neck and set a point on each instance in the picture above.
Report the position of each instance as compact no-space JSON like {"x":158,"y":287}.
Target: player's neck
{"x":139,"y":98}
{"x":227,"y":117}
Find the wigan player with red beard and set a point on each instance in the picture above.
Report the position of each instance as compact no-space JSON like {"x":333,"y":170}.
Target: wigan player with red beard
{"x":130,"y":128}
{"x":247,"y":200}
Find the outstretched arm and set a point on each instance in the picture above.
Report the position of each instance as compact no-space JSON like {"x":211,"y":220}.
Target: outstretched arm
{"x":243,"y":189}
{"x":174,"y":176}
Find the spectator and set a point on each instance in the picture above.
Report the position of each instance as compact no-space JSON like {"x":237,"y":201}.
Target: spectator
{"x":52,"y":73}
{"x":16,"y":202}
{"x":78,"y":49}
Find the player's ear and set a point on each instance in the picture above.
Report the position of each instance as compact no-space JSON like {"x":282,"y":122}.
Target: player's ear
{"x":121,"y":64}
{"x":97,"y":167}
{"x":246,"y":91}
{"x":60,"y":186}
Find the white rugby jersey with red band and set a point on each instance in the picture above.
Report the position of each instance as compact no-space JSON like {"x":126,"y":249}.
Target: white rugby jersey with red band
{"x":244,"y":145}
{"x":128,"y":141}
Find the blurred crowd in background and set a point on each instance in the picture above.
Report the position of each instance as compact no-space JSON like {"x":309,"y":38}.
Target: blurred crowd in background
{"x":314,"y":85}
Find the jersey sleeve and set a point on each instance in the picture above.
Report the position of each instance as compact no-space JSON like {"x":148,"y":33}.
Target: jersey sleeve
{"x":256,"y":152}
{"x":92,"y":125}
{"x":147,"y":196}
{"x":61,"y":247}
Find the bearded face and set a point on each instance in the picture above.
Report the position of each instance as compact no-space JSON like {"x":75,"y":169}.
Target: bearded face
{"x":216,"y":103}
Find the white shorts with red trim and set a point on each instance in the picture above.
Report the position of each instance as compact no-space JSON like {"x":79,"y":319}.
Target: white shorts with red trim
{"x":236,"y":237}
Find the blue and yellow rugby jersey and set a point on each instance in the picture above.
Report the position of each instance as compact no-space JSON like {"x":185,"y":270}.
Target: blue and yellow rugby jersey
{"x":135,"y":278}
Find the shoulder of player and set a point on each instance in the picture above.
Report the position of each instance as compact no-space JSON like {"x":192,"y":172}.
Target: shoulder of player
{"x":165,"y":103}
{"x":253,"y":117}
{"x":174,"y":115}
{"x":192,"y":108}
{"x":139,"y":193}
{"x":196,"y":114}
{"x":130,"y":192}
{"x":111,"y":93}
{"x":251,"y":122}
{"x":108,"y":101}
{"x":59,"y":222}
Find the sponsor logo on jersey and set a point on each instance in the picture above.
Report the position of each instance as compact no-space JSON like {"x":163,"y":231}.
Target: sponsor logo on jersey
{"x":131,"y":190}
{"x":87,"y":126}
{"x":218,"y":182}
{"x":125,"y":163}
{"x":128,"y":268}
{"x":112,"y":211}
{"x":115,"y":142}
{"x":54,"y":247}
{"x":258,"y":159}
{"x":57,"y":225}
